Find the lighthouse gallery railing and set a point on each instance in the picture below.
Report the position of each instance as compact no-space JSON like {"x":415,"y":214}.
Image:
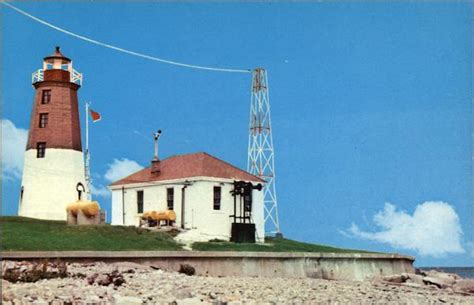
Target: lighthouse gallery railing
{"x":38,"y":76}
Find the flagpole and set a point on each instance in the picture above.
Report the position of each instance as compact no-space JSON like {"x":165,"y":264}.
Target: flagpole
{"x":87,"y":169}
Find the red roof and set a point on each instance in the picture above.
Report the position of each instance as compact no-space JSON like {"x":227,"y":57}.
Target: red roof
{"x":187,"y":166}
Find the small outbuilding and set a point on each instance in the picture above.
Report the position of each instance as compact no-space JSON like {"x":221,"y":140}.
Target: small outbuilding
{"x":210,"y":197}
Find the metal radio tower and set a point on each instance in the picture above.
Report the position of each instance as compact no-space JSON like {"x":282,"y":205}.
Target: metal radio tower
{"x":260,"y":160}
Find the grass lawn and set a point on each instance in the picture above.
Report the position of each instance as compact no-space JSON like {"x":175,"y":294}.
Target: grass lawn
{"x":271,"y":245}
{"x":27,"y":234}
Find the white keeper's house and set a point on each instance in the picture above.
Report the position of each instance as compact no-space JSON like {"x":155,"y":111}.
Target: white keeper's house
{"x":207,"y":194}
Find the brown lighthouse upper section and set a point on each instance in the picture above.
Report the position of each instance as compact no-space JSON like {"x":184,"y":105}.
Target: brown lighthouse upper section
{"x":55,"y":114}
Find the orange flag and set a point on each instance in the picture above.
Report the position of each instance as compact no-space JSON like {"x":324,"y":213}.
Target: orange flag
{"x":95,"y":116}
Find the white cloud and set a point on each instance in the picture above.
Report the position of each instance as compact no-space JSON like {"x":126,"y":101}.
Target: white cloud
{"x":432,"y":230}
{"x":13,"y":149}
{"x":100,"y":191}
{"x":121,"y":168}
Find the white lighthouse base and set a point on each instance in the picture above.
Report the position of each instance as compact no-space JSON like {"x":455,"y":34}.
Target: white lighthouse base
{"x":49,"y":183}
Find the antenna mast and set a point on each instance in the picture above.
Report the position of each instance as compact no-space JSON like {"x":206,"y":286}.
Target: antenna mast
{"x":88,"y":157}
{"x":260,"y":160}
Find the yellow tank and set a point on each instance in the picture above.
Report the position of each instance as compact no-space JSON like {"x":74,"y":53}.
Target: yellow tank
{"x":166,"y":215}
{"x":148,"y":215}
{"x":162,"y":215}
{"x":88,"y":208}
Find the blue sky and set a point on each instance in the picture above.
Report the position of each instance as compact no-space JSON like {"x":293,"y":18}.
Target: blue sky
{"x":371,"y":104}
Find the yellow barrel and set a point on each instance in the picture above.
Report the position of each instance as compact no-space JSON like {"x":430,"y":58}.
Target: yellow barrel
{"x":88,"y":208}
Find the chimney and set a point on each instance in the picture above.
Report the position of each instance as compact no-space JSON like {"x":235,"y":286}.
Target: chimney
{"x":155,"y":162}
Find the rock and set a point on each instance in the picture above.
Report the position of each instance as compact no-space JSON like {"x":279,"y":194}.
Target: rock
{"x":92,"y":300}
{"x":190,"y":301}
{"x":420,"y":272}
{"x":183,"y":294}
{"x":91,"y":278}
{"x":20,"y":292}
{"x":120,"y":300}
{"x":412,"y":284}
{"x":32,"y":271}
{"x":435,"y":273}
{"x":130,"y":265}
{"x":117,"y":278}
{"x":415,"y":279}
{"x":439,"y":281}
{"x":466,"y":286}
{"x":396,"y":278}
{"x":104,"y":280}
{"x":8,"y":295}
{"x":187,"y":269}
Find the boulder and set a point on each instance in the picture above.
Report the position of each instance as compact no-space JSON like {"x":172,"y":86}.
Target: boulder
{"x":396,"y":278}
{"x":105,"y":279}
{"x":32,"y":271}
{"x":187,"y":269}
{"x":415,"y":279}
{"x":91,"y":278}
{"x":435,"y":273}
{"x":466,"y":286}
{"x":440,"y":279}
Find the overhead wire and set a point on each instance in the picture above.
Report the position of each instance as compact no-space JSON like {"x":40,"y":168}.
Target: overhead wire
{"x":170,"y":62}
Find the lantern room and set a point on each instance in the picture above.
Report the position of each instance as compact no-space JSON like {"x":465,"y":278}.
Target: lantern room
{"x":57,"y":67}
{"x":57,"y":61}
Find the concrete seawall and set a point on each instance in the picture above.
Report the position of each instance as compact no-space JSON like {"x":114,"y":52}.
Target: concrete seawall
{"x":335,"y":266}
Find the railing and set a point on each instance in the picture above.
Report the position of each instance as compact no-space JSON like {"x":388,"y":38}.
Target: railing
{"x":76,"y":77}
{"x":38,"y":76}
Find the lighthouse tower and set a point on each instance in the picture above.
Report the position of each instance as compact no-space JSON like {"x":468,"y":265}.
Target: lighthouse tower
{"x":53,"y":170}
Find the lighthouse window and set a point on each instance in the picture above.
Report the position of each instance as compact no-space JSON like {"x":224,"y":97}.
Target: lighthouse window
{"x":217,"y":197}
{"x":46,"y":97}
{"x":43,"y":120}
{"x":40,"y":149}
{"x":170,"y":198}
{"x":139,"y":202}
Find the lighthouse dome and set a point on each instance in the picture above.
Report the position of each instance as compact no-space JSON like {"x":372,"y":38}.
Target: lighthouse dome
{"x":57,"y":55}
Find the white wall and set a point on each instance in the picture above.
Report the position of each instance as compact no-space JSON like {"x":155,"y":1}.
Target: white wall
{"x":49,"y":183}
{"x":199,"y":206}
{"x":154,"y":199}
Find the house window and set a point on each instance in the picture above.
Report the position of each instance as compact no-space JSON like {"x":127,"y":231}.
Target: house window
{"x":139,"y":202}
{"x":46,"y":97}
{"x":217,"y":197}
{"x":40,"y":149}
{"x":170,"y":198}
{"x":43,"y":120}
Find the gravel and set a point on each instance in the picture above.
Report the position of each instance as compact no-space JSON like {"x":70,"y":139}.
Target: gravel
{"x":144,"y":285}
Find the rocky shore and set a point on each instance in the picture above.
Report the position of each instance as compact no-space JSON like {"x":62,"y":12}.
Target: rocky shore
{"x":130,"y":283}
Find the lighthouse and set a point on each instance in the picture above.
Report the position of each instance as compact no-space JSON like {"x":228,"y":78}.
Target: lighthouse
{"x":53,"y":171}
